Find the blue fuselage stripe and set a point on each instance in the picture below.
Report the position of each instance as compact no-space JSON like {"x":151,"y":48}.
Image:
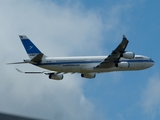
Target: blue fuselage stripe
{"x":84,"y":62}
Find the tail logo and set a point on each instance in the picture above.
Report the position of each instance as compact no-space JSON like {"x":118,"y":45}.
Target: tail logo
{"x":30,"y":47}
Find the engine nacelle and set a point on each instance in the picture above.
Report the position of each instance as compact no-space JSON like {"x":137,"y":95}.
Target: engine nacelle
{"x":122,"y":65}
{"x":56,"y":76}
{"x":88,"y":75}
{"x":128,"y":55}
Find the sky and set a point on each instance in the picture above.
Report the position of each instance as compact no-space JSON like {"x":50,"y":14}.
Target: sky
{"x":80,"y":28}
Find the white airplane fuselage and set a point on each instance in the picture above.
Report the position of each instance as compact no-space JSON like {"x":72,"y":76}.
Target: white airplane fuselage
{"x":87,"y":64}
{"x":118,"y":60}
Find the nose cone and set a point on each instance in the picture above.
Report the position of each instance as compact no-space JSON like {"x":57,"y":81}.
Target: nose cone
{"x":151,"y":63}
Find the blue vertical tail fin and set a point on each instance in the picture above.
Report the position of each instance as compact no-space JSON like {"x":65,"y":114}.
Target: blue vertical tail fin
{"x":30,"y":48}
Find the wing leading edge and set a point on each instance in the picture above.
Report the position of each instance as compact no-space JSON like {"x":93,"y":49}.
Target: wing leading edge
{"x":115,"y":55}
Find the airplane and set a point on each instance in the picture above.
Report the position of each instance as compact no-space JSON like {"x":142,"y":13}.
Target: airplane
{"x":87,"y":66}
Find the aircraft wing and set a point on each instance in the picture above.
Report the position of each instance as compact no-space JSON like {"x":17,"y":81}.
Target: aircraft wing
{"x":39,"y":72}
{"x":30,"y":72}
{"x":115,"y":55}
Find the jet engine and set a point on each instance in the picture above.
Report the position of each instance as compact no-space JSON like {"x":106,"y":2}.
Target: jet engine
{"x":128,"y":55}
{"x":122,"y":65}
{"x":88,"y":75}
{"x":56,"y":76}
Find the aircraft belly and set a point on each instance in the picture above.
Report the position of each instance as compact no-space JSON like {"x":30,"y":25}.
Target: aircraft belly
{"x":70,"y":69}
{"x":84,"y":68}
{"x":136,"y":65}
{"x":49,"y":67}
{"x":88,"y":68}
{"x":132,"y":66}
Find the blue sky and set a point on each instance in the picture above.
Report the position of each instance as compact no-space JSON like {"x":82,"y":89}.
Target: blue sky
{"x":121,"y":99}
{"x":81,"y":27}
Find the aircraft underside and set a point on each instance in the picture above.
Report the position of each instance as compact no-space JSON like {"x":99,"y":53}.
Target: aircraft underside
{"x":93,"y":69}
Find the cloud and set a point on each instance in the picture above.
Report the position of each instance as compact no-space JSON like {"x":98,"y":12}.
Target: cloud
{"x":57,"y":31}
{"x":151,"y":97}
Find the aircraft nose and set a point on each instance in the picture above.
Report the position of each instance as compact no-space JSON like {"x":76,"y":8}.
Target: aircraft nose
{"x":152,"y":62}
